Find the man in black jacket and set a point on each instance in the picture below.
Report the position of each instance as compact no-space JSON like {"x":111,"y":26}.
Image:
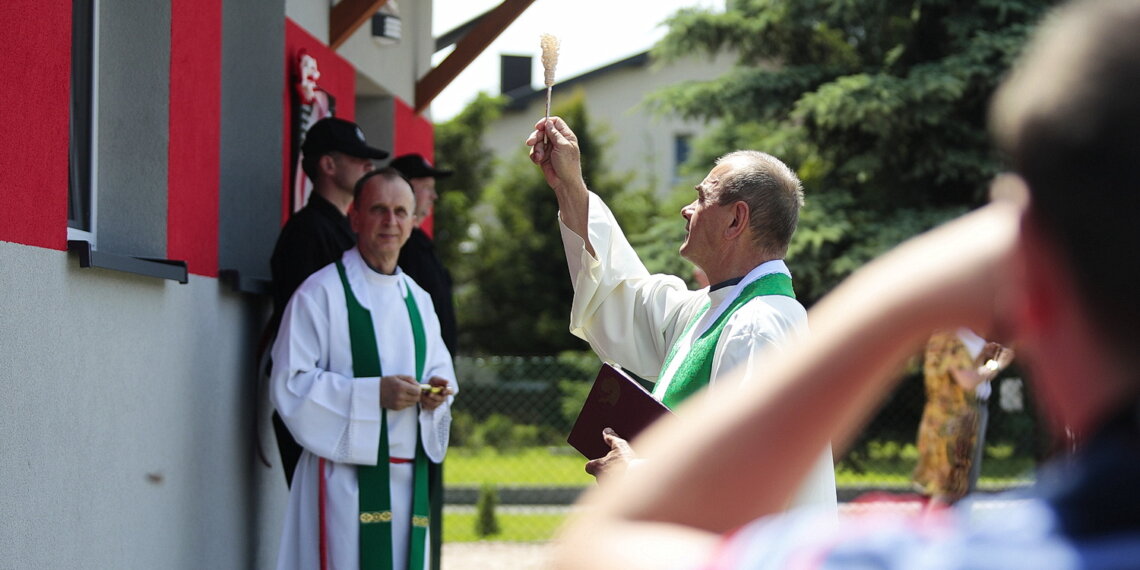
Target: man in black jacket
{"x":334,"y":156}
{"x":418,"y":258}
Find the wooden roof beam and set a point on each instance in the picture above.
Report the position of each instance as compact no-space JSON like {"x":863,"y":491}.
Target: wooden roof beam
{"x":467,"y":49}
{"x":347,"y":16}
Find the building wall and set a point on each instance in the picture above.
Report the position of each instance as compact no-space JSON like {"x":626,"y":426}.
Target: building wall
{"x":394,"y":68}
{"x":133,"y":109}
{"x":129,"y":409}
{"x":133,"y":415}
{"x":383,"y":69}
{"x":384,"y":74}
{"x":252,"y":170}
{"x":640,"y":142}
{"x":33,"y":166}
{"x":127,"y":421}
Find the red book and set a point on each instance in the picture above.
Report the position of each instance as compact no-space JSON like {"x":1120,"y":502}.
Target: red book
{"x":616,"y":401}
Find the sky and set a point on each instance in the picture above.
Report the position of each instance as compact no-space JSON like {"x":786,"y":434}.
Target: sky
{"x":593,"y":33}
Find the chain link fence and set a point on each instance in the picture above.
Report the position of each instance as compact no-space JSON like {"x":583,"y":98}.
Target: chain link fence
{"x":511,"y":476}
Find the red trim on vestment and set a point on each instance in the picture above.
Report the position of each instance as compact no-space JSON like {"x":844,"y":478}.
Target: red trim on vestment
{"x":321,"y":515}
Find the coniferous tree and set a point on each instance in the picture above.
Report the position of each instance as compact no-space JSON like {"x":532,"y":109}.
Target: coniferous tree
{"x":517,"y":295}
{"x":879,"y":105}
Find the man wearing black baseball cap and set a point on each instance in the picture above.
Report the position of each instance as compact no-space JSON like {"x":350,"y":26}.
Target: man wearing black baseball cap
{"x":334,"y":156}
{"x":417,"y":258}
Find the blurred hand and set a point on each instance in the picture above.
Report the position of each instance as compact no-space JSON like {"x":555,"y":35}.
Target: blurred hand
{"x":993,"y":359}
{"x":614,"y":462}
{"x":398,"y":392}
{"x":431,"y":399}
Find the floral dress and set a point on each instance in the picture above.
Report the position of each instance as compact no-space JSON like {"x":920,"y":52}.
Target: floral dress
{"x":949,"y":427}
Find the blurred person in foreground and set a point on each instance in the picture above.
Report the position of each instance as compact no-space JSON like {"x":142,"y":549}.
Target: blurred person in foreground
{"x":738,"y":229}
{"x":1048,"y":266}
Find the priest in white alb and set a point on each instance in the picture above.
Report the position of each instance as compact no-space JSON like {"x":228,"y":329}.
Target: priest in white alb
{"x":364,"y":382}
{"x":739,"y":227}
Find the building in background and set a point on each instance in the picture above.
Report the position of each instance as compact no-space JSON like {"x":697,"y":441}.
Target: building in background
{"x":649,"y":146}
{"x":146,"y":172}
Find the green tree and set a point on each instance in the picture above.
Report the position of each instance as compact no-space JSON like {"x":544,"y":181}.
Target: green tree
{"x":879,"y":105}
{"x":459,"y":147}
{"x":517,"y":293}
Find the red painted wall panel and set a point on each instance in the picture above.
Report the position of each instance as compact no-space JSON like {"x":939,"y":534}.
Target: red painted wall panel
{"x":36,"y":68}
{"x":415,"y":134}
{"x":338,"y":78}
{"x":195,"y":134}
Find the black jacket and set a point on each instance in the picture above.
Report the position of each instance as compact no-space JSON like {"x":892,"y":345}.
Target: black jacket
{"x":418,"y":260}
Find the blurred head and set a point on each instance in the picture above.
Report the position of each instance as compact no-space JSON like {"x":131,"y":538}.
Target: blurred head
{"x":382,"y":217}
{"x":1069,"y":119}
{"x":422,"y":175}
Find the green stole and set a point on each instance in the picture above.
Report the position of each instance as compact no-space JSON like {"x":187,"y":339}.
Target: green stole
{"x":695,"y":370}
{"x":373,"y":482}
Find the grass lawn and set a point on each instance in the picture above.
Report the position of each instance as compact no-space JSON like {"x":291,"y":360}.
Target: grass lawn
{"x":536,"y":466}
{"x":556,"y":467}
{"x":515,"y":526}
{"x":542,"y":466}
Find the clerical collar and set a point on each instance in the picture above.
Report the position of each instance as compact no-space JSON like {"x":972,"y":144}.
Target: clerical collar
{"x":725,"y":283}
{"x":375,"y":270}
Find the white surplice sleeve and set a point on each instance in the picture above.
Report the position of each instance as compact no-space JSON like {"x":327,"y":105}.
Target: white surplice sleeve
{"x":627,"y":315}
{"x":330,"y":413}
{"x":435,"y":425}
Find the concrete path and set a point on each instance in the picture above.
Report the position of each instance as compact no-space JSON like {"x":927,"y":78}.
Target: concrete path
{"x":534,"y":555}
{"x":495,"y":556}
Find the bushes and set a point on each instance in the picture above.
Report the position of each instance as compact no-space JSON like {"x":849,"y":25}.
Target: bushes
{"x":501,"y":433}
{"x":486,"y":522}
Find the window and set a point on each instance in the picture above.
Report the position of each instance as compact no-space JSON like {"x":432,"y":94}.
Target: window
{"x":81,"y":166}
{"x":681,"y":149}
{"x":123,"y":103}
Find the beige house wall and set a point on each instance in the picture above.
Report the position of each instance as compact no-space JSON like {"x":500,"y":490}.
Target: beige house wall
{"x":640,"y":142}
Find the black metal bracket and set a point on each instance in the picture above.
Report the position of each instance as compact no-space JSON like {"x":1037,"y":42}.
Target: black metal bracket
{"x":171,"y":269}
{"x":244,"y":284}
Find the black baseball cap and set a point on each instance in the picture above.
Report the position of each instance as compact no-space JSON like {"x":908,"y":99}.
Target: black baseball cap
{"x":338,"y":135}
{"x":416,"y":166}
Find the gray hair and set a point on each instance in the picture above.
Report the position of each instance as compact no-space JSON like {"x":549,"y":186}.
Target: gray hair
{"x":771,"y":190}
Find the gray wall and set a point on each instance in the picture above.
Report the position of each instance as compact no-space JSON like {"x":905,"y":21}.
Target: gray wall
{"x":253,"y":116}
{"x":376,"y":116}
{"x":127,"y":421}
{"x":133,"y":116}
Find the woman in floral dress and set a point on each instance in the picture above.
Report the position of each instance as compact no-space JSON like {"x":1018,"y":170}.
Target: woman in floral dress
{"x":956,"y":364}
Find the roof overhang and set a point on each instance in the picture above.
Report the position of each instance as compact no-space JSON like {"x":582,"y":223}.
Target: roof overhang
{"x":480,"y":32}
{"x":346,"y":16}
{"x":470,"y":39}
